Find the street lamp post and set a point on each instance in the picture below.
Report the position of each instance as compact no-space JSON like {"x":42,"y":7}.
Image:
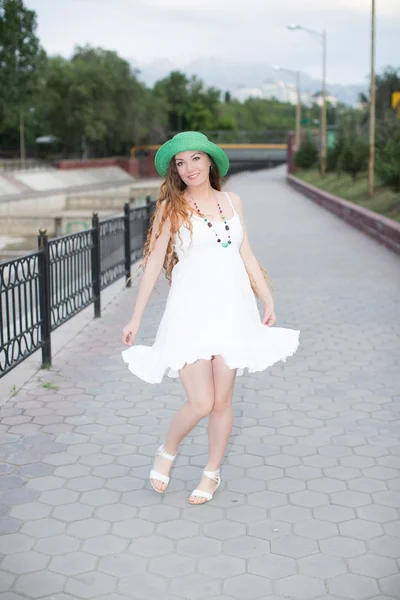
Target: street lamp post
{"x":322,"y":37}
{"x":371,"y":159}
{"x":298,"y":103}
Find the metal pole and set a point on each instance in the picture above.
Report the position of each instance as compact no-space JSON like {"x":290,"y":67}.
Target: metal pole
{"x":127,"y":244}
{"x":323,"y":108}
{"x":96,"y":265}
{"x":371,"y":159}
{"x":298,"y":111}
{"x":21,"y":136}
{"x":44,"y":297}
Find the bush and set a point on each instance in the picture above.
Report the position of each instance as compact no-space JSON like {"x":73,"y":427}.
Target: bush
{"x":387,"y":162}
{"x":307,"y":154}
{"x":333,"y":154}
{"x":354,"y":157}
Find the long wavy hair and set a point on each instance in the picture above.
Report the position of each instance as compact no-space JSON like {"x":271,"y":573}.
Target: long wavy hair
{"x":178,"y":210}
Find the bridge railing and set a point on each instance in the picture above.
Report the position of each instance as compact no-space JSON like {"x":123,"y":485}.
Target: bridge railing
{"x":42,"y":290}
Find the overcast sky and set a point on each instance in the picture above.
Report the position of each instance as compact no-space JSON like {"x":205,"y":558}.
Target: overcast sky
{"x":247,"y":30}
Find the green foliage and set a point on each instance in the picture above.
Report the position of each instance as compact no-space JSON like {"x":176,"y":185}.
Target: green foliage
{"x":307,"y":154}
{"x":388,"y":156}
{"x":21,"y":61}
{"x":333,"y":154}
{"x":354,"y":156}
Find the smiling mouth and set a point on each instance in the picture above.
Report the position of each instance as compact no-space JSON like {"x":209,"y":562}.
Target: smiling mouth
{"x":192,"y":176}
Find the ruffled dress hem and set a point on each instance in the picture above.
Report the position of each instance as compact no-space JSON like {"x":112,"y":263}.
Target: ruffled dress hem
{"x":147,"y":363}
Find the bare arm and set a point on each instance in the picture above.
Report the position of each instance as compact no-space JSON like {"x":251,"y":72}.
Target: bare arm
{"x":154,"y":265}
{"x":253,"y":267}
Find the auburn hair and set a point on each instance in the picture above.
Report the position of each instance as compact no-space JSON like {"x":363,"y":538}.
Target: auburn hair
{"x":173,"y":205}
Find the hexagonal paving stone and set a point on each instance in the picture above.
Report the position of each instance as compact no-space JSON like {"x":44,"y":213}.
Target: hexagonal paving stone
{"x":151,"y":545}
{"x":373,"y":565}
{"x":41,"y":528}
{"x":39,"y":584}
{"x":105,"y":544}
{"x":242,"y":514}
{"x":222,"y":566}
{"x":88,"y":528}
{"x":309,"y":499}
{"x":291,"y":514}
{"x":195,"y":587}
{"x":199,"y":547}
{"x":342,"y":546}
{"x":133,"y":528}
{"x":224,"y":530}
{"x":248,"y":587}
{"x":314,"y":529}
{"x":273,"y":566}
{"x":73,"y":563}
{"x":25,"y":562}
{"x":385,"y":545}
{"x":390,"y":585}
{"x":267,"y":499}
{"x":294,"y":546}
{"x":58,"y":544}
{"x":90,"y":585}
{"x":15,"y":542}
{"x":246,"y":547}
{"x":159,"y":514}
{"x":178,"y":530}
{"x":377,"y":513}
{"x":354,"y":587}
{"x":322,"y":566}
{"x":172,"y":565}
{"x":100,"y":497}
{"x":302,"y":587}
{"x":122,"y":564}
{"x":360,"y":529}
{"x":269,"y":530}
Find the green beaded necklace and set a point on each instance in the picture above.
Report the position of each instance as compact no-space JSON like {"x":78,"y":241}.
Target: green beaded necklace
{"x":209,"y":223}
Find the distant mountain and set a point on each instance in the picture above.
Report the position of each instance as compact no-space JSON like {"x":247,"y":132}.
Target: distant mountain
{"x":228,"y":75}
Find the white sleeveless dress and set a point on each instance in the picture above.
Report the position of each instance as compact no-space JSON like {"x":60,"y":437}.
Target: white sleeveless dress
{"x":210,"y":310}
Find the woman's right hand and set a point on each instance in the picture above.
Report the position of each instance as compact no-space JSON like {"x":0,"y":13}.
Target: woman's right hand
{"x":129,"y":332}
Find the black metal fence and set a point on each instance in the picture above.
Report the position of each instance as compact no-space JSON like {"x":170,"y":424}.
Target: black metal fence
{"x":42,"y":290}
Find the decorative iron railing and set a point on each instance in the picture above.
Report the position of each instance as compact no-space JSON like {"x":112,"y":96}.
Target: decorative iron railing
{"x":42,"y":290}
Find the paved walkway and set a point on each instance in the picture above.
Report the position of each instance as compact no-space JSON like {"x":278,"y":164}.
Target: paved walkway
{"x":309,"y":504}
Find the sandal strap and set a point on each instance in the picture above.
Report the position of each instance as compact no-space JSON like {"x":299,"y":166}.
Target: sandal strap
{"x":201,"y":494}
{"x":161,"y":452}
{"x":214,"y":475}
{"x":159,"y":476}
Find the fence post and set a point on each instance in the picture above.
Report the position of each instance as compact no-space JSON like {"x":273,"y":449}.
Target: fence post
{"x":96,"y":265}
{"x":44,"y":296}
{"x":146,"y":224}
{"x":127,"y":239}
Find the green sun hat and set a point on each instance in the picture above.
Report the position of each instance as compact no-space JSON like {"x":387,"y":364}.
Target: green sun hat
{"x":190,"y":140}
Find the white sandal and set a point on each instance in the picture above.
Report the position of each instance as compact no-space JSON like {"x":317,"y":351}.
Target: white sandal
{"x":215,"y":476}
{"x":160,"y":476}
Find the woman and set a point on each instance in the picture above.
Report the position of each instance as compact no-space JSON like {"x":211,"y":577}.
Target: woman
{"x":211,"y":328}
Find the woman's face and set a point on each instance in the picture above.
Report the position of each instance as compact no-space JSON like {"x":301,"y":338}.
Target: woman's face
{"x":193,"y":167}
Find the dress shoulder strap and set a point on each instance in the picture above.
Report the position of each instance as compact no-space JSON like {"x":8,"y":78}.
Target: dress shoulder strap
{"x":230,"y":201}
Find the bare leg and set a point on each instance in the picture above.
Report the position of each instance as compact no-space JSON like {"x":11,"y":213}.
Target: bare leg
{"x":198,"y":382}
{"x":219,"y":422}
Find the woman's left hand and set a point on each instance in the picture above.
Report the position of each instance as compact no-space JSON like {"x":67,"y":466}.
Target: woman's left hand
{"x":269,"y":317}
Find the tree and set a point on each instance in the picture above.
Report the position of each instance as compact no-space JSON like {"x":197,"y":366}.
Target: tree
{"x":21,"y":62}
{"x":174,"y":89}
{"x":307,"y":154}
{"x":94,"y":97}
{"x":386,"y":83}
{"x":354,"y":156}
{"x":388,"y":156}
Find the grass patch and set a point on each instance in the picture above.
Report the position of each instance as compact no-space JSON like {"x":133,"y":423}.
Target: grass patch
{"x":48,"y":385}
{"x":385,"y":201}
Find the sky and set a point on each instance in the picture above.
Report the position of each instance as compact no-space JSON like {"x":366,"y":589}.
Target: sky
{"x":247,"y":30}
